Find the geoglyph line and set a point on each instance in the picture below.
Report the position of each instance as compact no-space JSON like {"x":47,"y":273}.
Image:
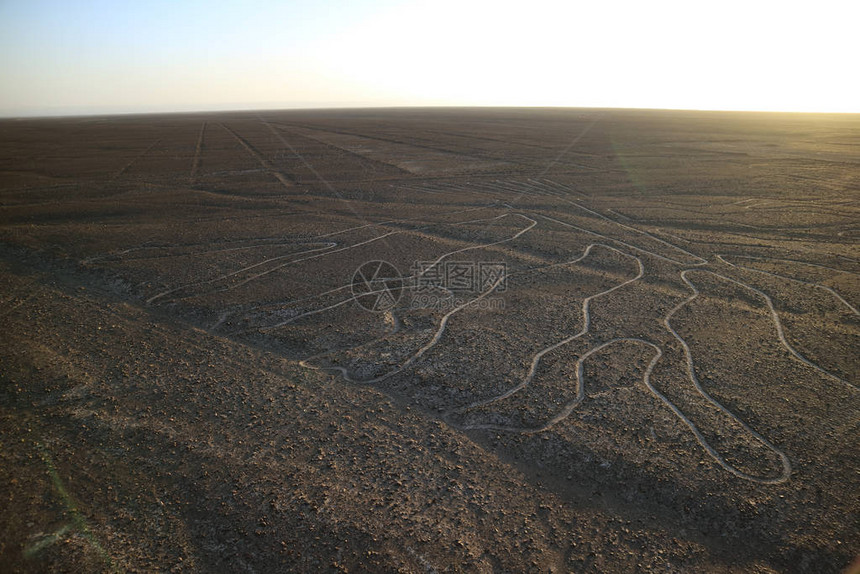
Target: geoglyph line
{"x":758,"y":258}
{"x":540,"y":188}
{"x":836,"y":295}
{"x":646,"y":379}
{"x":328,"y":245}
{"x":774,"y":317}
{"x":691,"y":373}
{"x":586,"y":324}
{"x":277,"y":174}
{"x":618,"y":241}
{"x":699,"y":260}
{"x":426,"y":270}
{"x":389,"y":221}
{"x":195,"y":164}
{"x":580,"y":395}
{"x":137,"y":157}
{"x":325,"y":246}
{"x":441,"y":328}
{"x":418,"y":354}
{"x":328,"y":249}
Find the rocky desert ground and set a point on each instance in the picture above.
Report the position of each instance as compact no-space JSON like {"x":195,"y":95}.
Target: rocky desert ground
{"x":430,"y":340}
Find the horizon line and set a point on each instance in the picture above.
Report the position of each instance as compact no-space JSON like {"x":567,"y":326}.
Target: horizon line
{"x":350,"y":107}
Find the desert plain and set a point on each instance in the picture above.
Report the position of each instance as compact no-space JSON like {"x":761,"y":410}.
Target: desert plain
{"x":430,"y":340}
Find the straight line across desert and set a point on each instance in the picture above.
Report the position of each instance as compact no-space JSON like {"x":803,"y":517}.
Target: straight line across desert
{"x":430,"y":340}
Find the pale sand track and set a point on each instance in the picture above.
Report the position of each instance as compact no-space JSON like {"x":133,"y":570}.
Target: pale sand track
{"x":774,"y":316}
{"x":586,"y":324}
{"x":195,"y":163}
{"x":833,"y":293}
{"x":276,"y":173}
{"x":125,"y":168}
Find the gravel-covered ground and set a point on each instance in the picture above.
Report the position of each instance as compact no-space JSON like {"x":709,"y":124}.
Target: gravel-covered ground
{"x":597,"y":341}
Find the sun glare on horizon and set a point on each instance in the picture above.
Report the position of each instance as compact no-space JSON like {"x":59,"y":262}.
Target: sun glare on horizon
{"x":98,"y":57}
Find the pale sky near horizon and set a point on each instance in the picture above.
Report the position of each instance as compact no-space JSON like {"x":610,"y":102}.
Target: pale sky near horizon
{"x":73,"y":57}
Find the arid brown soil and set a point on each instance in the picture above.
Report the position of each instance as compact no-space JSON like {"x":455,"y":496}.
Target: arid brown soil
{"x":601,"y":341}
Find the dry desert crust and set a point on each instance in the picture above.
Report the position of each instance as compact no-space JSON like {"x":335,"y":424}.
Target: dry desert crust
{"x":619,"y":341}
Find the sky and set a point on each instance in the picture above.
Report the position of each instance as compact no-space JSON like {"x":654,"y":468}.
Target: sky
{"x":66,"y":57}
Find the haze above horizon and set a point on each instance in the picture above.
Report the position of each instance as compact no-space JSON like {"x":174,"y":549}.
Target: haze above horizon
{"x":100,"y":57}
